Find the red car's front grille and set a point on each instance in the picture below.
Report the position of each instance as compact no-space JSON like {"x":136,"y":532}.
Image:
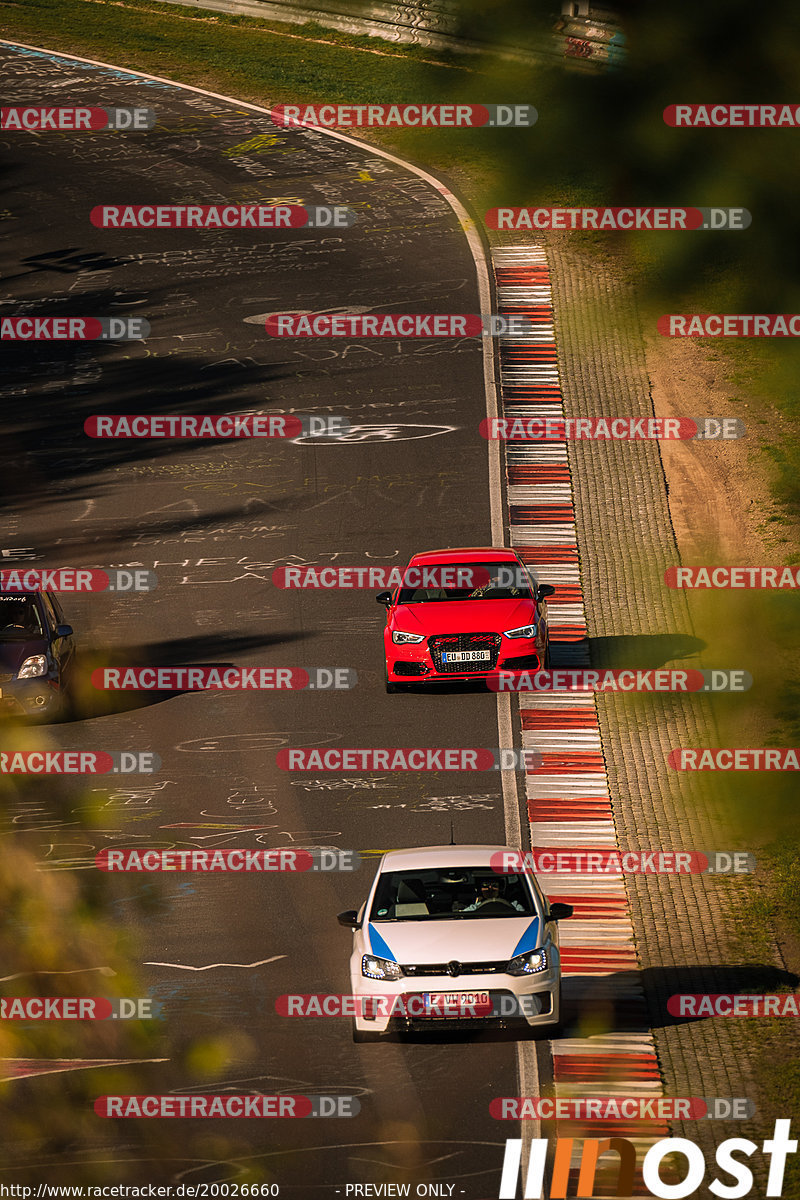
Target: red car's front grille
{"x":443,"y":643}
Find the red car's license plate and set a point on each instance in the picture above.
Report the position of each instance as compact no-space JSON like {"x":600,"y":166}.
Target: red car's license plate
{"x":457,"y":1004}
{"x":466,"y":655}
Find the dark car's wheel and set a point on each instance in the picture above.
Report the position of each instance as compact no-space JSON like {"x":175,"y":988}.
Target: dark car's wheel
{"x":362,"y":1036}
{"x":67,"y":701}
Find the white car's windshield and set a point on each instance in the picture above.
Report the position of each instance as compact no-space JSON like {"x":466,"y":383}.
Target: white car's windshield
{"x":450,"y":893}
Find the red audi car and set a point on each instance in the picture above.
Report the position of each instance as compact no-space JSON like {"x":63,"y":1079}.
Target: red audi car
{"x":464,"y":614}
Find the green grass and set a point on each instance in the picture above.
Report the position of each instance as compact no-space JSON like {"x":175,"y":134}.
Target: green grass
{"x":257,"y":56}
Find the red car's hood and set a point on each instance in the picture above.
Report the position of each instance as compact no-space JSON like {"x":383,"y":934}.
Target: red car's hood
{"x":464,"y":616}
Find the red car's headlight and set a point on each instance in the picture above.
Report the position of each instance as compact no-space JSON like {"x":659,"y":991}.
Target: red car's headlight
{"x":402,"y":639}
{"x":524,"y":631}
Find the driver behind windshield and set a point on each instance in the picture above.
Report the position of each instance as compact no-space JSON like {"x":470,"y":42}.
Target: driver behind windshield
{"x":436,"y":894}
{"x":489,"y":891}
{"x":18,"y":618}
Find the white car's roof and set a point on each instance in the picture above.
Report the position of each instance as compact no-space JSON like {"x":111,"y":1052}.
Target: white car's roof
{"x":419,"y":857}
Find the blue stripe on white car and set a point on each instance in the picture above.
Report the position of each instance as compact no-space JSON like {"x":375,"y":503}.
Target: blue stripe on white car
{"x":379,"y":946}
{"x":529,"y":939}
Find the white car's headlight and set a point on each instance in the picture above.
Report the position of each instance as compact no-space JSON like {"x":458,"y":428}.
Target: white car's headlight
{"x":524,"y":631}
{"x":33,"y":666}
{"x":379,"y":968}
{"x":528,"y":964}
{"x":401,"y":639}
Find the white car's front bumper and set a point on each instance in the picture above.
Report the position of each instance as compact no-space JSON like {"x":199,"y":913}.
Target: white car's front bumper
{"x":381,"y":1005}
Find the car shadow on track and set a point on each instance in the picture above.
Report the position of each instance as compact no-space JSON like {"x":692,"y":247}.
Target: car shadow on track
{"x":89,"y":702}
{"x":445,"y":689}
{"x":41,"y":448}
{"x":464,"y":1036}
{"x":642,"y":651}
{"x":637,"y":1001}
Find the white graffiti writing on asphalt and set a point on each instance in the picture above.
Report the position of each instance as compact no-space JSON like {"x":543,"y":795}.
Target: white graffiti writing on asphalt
{"x":397,"y":432}
{"x":348,"y":783}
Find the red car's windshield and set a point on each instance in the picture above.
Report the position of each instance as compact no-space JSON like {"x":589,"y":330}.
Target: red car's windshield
{"x":492,"y":581}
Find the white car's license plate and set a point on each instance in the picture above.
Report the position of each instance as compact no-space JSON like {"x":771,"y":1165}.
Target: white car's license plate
{"x":457,"y":1004}
{"x":466,"y":655}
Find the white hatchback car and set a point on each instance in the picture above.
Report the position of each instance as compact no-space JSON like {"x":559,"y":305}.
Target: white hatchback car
{"x":445,"y":939}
